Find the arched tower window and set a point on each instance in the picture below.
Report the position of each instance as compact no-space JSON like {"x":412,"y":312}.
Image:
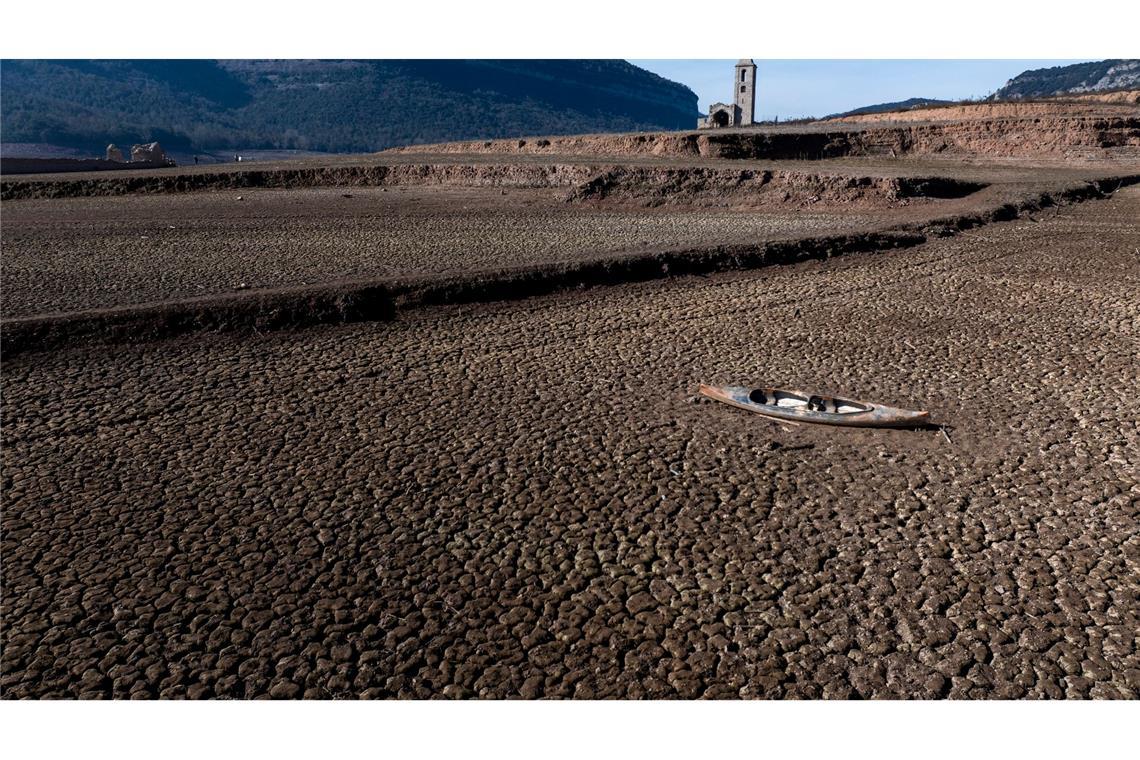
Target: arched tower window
{"x":743,"y":73}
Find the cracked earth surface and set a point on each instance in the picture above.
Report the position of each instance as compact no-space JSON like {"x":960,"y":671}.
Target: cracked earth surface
{"x":528,"y":500}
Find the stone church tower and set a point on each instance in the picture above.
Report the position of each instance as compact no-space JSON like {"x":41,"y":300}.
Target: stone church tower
{"x":745,"y":89}
{"x":742,"y":111}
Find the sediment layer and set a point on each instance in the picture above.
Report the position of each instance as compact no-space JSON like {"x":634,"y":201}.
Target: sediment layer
{"x":582,"y":181}
{"x":345,"y":302}
{"x":1093,"y":105}
{"x":1002,"y":137}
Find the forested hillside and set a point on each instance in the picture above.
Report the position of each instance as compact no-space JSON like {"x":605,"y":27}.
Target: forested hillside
{"x":329,"y":105}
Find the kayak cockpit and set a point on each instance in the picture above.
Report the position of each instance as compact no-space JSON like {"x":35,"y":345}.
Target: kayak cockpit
{"x":791,"y":400}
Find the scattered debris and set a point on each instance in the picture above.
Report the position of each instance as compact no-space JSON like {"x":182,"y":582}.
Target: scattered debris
{"x":242,"y":286}
{"x":240,"y":198}
{"x":945,"y":434}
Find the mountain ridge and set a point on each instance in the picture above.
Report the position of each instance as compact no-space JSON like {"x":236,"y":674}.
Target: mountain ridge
{"x":900,"y":105}
{"x":1074,"y":79}
{"x":342,"y":105}
{"x":1095,"y":76}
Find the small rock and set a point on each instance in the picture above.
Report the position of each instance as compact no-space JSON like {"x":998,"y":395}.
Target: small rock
{"x":198,"y":691}
{"x":531,"y":688}
{"x":284,"y":690}
{"x":662,"y":591}
{"x":640,"y":602}
{"x":935,"y":683}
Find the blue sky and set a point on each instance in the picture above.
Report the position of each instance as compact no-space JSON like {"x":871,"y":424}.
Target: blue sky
{"x":794,"y":88}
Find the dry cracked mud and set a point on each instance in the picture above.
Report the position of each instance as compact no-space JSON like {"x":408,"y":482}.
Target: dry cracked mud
{"x":527,"y":500}
{"x":64,"y":255}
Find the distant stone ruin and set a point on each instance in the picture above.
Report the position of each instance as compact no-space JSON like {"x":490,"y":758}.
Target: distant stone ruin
{"x":742,"y":111}
{"x":148,"y":156}
{"x":150,"y":153}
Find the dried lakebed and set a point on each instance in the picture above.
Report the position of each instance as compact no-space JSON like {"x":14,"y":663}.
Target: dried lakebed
{"x":67,"y":255}
{"x":157,"y":261}
{"x":526,"y":500}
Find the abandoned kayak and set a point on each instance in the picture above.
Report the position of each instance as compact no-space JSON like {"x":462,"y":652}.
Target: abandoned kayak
{"x":797,"y":406}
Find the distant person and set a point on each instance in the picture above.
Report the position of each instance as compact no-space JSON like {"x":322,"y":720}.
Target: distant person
{"x":236,"y":158}
{"x":195,"y":160}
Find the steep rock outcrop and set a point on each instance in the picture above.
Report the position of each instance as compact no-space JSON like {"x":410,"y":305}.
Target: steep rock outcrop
{"x":1098,"y":76}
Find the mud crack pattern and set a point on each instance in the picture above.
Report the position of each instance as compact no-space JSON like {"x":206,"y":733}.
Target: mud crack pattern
{"x":527,"y":500}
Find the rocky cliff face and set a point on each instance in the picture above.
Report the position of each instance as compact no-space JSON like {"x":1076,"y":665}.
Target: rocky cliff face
{"x":1078,"y":78}
{"x":329,"y":105}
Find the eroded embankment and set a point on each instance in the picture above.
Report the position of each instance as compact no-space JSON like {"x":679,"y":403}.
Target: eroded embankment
{"x":759,"y":188}
{"x":347,"y":302}
{"x":1096,"y":105}
{"x":1006,"y":138}
{"x":380,"y":175}
{"x":997,"y":137}
{"x":644,"y":185}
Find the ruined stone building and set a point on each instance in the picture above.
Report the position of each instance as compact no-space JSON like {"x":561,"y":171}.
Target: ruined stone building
{"x":150,"y":152}
{"x":147,"y":153}
{"x":742,"y":111}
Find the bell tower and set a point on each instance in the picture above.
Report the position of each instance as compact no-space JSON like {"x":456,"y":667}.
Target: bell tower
{"x":744,"y":88}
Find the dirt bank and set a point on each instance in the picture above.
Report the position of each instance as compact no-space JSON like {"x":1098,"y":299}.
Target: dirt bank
{"x":1107,"y":105}
{"x":998,"y":137}
{"x":749,"y":188}
{"x":340,"y":302}
{"x":382,"y":175}
{"x":679,"y":185}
